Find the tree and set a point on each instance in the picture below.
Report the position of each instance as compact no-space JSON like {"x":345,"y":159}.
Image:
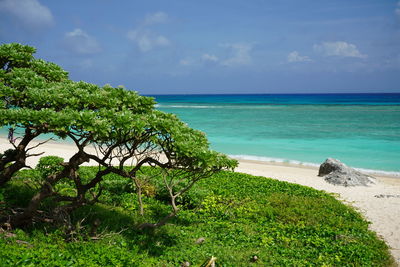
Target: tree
{"x":124,"y":127}
{"x":18,"y":72}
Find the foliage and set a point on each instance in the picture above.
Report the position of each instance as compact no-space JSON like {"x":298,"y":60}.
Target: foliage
{"x":238,"y":215}
{"x":37,"y":97}
{"x":49,"y":165}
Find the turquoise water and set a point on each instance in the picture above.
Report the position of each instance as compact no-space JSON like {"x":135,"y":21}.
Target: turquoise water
{"x":361,"y":130}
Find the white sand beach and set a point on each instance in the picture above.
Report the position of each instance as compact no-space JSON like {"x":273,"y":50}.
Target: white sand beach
{"x":379,"y":203}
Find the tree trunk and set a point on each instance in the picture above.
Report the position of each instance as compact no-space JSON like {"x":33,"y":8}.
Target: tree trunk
{"x":164,"y":220}
{"x":46,"y":190}
{"x":25,"y":218}
{"x":139,"y":195}
{"x":18,"y":157}
{"x":7,"y":172}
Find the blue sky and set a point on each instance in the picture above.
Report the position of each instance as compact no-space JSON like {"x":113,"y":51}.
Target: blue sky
{"x":186,"y":46}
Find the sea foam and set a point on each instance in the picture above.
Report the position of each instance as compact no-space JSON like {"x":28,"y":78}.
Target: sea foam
{"x":310,"y":164}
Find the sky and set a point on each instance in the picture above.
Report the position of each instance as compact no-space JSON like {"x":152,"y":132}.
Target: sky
{"x":215,"y":46}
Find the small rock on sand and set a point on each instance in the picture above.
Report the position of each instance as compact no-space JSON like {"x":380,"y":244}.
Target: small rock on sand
{"x":338,"y":173}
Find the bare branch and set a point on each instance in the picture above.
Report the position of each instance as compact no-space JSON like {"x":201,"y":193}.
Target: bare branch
{"x":34,"y":155}
{"x":147,"y":160}
{"x":39,"y":144}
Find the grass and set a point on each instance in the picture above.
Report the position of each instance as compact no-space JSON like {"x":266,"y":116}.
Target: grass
{"x":238,"y":215}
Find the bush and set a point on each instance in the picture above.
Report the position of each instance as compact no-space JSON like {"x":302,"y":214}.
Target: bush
{"x":49,"y":165}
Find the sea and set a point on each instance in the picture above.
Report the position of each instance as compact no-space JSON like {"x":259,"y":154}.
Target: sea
{"x":361,"y":130}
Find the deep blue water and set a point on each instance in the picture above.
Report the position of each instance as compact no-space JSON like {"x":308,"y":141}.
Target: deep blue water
{"x":283,"y":99}
{"x":362,"y":130}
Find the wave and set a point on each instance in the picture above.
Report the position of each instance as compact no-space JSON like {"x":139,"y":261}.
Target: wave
{"x":220,"y":106}
{"x":274,"y":160}
{"x":188,"y":106}
{"x":310,"y":164}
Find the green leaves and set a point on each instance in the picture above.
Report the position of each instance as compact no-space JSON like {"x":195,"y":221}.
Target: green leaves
{"x":49,"y":70}
{"x":49,"y":165}
{"x":15,"y":55}
{"x":238,"y":215}
{"x":242,"y":216}
{"x":38,"y":97}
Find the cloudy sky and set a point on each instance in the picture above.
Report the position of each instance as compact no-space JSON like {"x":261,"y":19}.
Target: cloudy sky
{"x":215,"y":46}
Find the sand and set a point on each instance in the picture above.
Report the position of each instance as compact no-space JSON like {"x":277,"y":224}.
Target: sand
{"x":50,"y":148}
{"x":379,"y":203}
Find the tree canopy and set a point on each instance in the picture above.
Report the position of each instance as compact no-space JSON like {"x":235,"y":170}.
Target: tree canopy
{"x":126,"y":130}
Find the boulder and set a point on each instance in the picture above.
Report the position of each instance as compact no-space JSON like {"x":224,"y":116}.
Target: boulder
{"x":338,"y":173}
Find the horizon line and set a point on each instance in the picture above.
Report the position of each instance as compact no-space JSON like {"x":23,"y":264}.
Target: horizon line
{"x":222,"y":94}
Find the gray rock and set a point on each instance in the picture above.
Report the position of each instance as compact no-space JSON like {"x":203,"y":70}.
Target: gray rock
{"x":338,"y":173}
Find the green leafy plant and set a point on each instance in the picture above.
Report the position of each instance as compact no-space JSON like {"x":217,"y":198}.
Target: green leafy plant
{"x":282,"y":224}
{"x":37,"y":97}
{"x":49,"y":165}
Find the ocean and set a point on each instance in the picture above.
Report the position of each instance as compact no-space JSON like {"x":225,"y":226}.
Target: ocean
{"x":361,"y":130}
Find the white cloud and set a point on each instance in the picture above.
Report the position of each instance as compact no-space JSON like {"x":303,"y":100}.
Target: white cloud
{"x":198,"y":61}
{"x":208,"y":57}
{"x":30,"y":13}
{"x":341,"y":49}
{"x":80,"y":42}
{"x":240,"y":54}
{"x":146,"y":40}
{"x":295,"y":57}
{"x":156,"y":18}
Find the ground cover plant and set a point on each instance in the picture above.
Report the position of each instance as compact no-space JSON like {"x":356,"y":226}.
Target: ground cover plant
{"x":232,"y":216}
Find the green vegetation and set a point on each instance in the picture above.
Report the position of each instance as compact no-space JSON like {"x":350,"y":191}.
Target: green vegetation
{"x":36,"y":98}
{"x":238,"y":215}
{"x":63,"y":214}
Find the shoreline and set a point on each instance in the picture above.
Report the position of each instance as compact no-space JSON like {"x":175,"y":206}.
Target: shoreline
{"x":387,"y":178}
{"x":300,"y":164}
{"x":241,"y":158}
{"x":379,"y":203}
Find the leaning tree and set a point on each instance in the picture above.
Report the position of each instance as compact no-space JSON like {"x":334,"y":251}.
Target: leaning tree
{"x":124,"y":128}
{"x":20,"y":71}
